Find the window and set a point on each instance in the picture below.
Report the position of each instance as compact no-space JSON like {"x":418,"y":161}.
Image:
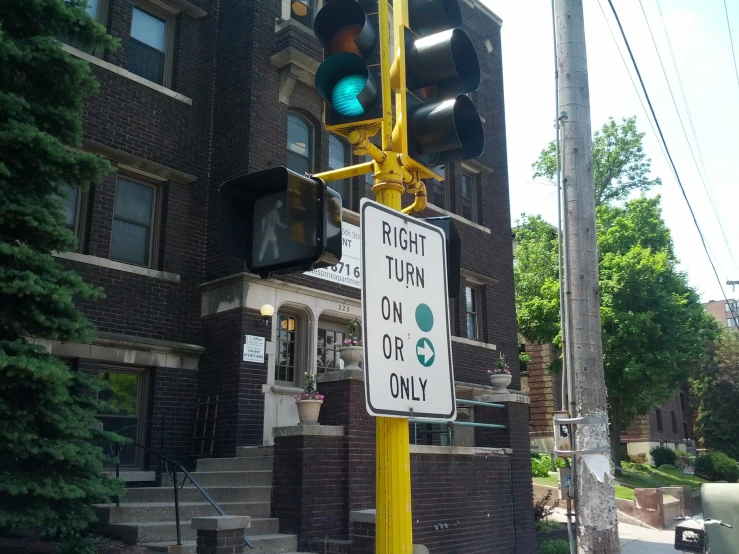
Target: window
{"x":126,"y":398}
{"x":472,"y":304}
{"x":659,"y":420}
{"x":438,"y":434}
{"x":682,"y":402}
{"x":299,"y":145}
{"x":73,"y":202}
{"x":369,"y":181}
{"x":732,"y":306}
{"x":287,"y":334}
{"x":732,"y":322}
{"x":330,"y":338}
{"x":673,"y":415}
{"x":302,"y":11}
{"x":438,"y":191}
{"x":685,"y":430}
{"x":132,"y":239}
{"x":151,"y":44}
{"x":469,"y":195}
{"x":337,"y":158}
{"x":98,"y":10}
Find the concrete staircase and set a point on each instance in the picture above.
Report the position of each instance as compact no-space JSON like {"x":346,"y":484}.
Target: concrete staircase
{"x":241,"y":486}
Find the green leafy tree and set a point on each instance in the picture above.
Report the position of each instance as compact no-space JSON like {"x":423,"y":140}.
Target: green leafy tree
{"x":653,"y":325}
{"x":620,"y":165}
{"x":717,"y":390}
{"x":50,"y":471}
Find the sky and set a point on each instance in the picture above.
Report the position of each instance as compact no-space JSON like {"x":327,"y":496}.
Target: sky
{"x":700,"y":41}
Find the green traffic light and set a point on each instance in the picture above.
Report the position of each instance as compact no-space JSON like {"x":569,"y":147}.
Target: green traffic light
{"x":344,"y":96}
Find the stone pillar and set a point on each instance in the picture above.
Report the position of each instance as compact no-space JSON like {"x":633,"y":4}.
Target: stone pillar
{"x":220,"y":534}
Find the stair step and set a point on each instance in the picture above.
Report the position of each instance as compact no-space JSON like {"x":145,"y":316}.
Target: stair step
{"x":232,"y":478}
{"x":253,"y":451}
{"x":159,"y":531}
{"x":235,"y":464}
{"x":263,"y":544}
{"x":164,"y":511}
{"x":261,"y":493}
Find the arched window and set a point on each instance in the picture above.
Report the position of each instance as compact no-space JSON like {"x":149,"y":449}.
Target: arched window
{"x":337,"y":158}
{"x":302,"y":11}
{"x":299,"y":145}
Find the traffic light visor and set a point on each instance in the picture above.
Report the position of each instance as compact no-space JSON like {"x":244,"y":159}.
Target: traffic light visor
{"x":430,"y":16}
{"x":345,"y":82}
{"x":342,"y":26}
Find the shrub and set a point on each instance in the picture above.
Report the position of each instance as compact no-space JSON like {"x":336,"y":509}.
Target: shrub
{"x":717,"y":466}
{"x":542,"y":507}
{"x":636,"y":467}
{"x":558,"y":546}
{"x":683,"y":459}
{"x":542,"y":463}
{"x":662,"y":455}
{"x":640,"y":458}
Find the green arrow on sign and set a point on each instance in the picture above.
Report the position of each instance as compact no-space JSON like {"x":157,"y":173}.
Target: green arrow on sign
{"x":425,"y":352}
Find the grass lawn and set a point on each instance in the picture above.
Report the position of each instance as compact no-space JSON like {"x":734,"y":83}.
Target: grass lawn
{"x":550,"y":480}
{"x":621,"y":491}
{"x":649,"y":477}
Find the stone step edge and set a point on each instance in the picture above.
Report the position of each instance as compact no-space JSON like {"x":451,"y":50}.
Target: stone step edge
{"x":183,"y":522}
{"x":171,"y":504}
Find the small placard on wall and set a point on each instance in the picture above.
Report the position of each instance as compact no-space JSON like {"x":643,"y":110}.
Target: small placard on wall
{"x":253,"y":349}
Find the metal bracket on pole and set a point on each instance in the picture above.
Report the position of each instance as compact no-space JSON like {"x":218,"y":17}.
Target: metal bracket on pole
{"x":598,"y":450}
{"x":587,"y":420}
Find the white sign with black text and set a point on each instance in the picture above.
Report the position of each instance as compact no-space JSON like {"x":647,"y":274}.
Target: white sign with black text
{"x":347,"y":271}
{"x":253,"y":349}
{"x":407,"y":345}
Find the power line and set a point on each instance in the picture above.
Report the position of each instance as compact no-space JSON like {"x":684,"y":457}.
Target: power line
{"x":731,"y":40}
{"x":626,"y":66}
{"x":682,"y":125}
{"x":669,"y":156}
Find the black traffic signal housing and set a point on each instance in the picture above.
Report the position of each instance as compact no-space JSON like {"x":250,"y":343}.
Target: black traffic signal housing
{"x":453,"y":246}
{"x":348,"y":79}
{"x":279,"y":221}
{"x":441,"y":66}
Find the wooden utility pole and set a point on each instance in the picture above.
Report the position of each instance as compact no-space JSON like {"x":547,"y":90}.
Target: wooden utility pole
{"x":597,"y":530}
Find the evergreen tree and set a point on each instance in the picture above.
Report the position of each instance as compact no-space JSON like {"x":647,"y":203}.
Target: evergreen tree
{"x":50,"y":470}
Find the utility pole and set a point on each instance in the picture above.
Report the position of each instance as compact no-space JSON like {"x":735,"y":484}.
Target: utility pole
{"x":595,"y":500}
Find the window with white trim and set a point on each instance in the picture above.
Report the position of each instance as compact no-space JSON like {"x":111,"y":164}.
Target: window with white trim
{"x":469,"y":195}
{"x":438,"y":192}
{"x":299,"y":145}
{"x":472,"y":309}
{"x":338,"y":158}
{"x":288,"y":335}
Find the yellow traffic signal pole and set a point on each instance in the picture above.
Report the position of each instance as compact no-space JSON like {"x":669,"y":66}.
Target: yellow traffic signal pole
{"x":394,"y":525}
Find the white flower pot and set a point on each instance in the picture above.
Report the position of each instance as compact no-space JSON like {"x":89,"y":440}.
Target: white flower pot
{"x":308,"y":411}
{"x":500,"y":381}
{"x":352,"y":356}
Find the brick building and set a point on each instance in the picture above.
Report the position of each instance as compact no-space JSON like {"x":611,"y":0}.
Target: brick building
{"x":199,"y":92}
{"x":669,"y":425}
{"x":726,"y":312}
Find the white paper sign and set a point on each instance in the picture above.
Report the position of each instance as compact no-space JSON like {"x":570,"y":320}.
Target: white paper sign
{"x":348,"y":271}
{"x":407,"y":346}
{"x":254,"y":349}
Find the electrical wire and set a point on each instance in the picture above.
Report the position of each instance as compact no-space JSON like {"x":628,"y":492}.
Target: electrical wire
{"x":626,"y":66}
{"x":669,"y":156}
{"x":706,"y":187}
{"x":731,"y":40}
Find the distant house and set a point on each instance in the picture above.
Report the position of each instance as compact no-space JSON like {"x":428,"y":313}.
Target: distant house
{"x":726,"y":312}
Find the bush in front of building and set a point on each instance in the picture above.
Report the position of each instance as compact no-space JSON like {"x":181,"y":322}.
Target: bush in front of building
{"x":663,"y":455}
{"x":542,"y":463}
{"x":640,"y":458}
{"x":717,"y":466}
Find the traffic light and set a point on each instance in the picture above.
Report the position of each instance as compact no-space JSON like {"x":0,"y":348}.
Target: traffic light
{"x":278,"y":221}
{"x":440,"y":65}
{"x":348,"y":80}
{"x":453,"y":252}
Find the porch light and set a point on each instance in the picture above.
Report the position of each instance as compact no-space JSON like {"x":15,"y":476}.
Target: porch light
{"x":266,"y":310}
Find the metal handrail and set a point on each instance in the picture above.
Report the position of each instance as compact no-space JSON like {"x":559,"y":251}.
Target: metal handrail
{"x":175,"y":466}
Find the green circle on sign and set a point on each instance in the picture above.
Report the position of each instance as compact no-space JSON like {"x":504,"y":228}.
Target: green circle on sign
{"x":424,"y":318}
{"x":425,"y":352}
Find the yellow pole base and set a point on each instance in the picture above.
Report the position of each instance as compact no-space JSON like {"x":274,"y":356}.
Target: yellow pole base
{"x":394,"y":525}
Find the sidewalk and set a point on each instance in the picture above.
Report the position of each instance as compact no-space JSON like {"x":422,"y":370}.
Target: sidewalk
{"x":637,"y":540}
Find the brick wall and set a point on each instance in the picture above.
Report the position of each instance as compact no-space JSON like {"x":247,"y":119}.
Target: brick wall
{"x":542,"y":388}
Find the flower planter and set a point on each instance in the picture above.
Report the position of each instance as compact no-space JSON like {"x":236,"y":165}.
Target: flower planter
{"x":352,"y":356}
{"x":308,"y":411}
{"x":500,"y":381}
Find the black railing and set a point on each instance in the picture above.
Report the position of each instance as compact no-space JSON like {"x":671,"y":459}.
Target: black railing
{"x":172,"y":467}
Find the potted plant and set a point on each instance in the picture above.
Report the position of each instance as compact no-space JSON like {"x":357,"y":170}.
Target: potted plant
{"x":500,"y":374}
{"x":351,"y":351}
{"x":309,"y":402}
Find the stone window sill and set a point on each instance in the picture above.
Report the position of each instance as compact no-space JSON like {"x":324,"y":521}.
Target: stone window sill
{"x":459,"y":218}
{"x":119,"y":266}
{"x":127,"y":74}
{"x":477,"y":343}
